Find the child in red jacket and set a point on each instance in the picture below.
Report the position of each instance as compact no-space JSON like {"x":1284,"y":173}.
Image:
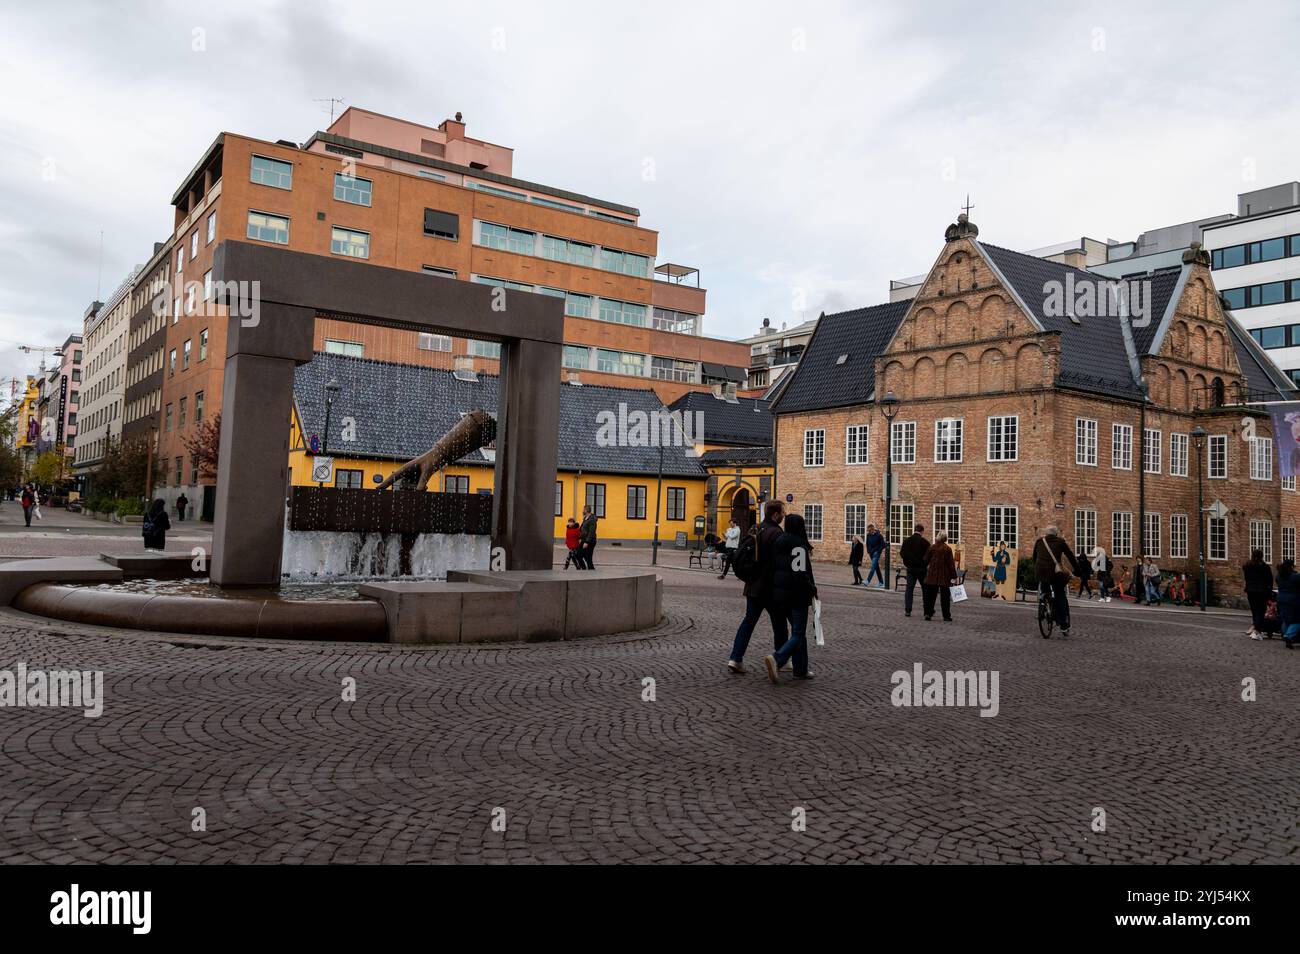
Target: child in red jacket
{"x":572,"y":532}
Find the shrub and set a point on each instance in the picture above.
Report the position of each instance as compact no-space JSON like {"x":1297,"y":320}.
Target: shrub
{"x":1026,"y":575}
{"x":129,"y":507}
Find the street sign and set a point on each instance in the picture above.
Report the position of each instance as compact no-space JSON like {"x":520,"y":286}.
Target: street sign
{"x":1218,"y":510}
{"x":322,"y":470}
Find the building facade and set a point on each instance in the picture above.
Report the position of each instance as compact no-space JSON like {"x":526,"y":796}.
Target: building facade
{"x":146,"y":347}
{"x":1012,"y":417}
{"x":774,"y":352}
{"x":58,"y":400}
{"x":99,"y":414}
{"x":402,"y":195}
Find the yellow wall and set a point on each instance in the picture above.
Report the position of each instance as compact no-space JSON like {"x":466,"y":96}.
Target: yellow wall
{"x":615,"y":525}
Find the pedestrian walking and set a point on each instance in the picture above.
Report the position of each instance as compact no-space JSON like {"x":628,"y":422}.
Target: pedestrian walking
{"x":36,"y":503}
{"x":1288,"y":601}
{"x":855,"y":559}
{"x":940,"y":570}
{"x":730,"y":544}
{"x":155,"y":527}
{"x":587,"y":538}
{"x":1151,"y":575}
{"x":1101,"y":567}
{"x":1054,"y":564}
{"x":758,"y":590}
{"x":1085,"y":579}
{"x":28,"y":502}
{"x":793,"y":590}
{"x":1259,"y":587}
{"x":875,"y":544}
{"x":573,"y":543}
{"x":182,"y":502}
{"x":912,"y":553}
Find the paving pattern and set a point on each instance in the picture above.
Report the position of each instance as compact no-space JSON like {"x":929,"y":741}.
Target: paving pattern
{"x":1139,"y":714}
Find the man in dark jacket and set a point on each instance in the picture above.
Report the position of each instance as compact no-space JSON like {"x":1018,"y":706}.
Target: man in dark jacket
{"x":855,"y":559}
{"x":759,"y":591}
{"x":1050,"y":553}
{"x":587,"y":539}
{"x":875,"y":547}
{"x":912,"y":553}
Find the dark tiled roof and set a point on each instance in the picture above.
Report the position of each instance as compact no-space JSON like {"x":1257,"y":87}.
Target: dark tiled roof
{"x":748,"y":421}
{"x":1093,"y":355}
{"x":401,"y":411}
{"x":736,"y":455}
{"x":819,"y":380}
{"x":1163,"y":285}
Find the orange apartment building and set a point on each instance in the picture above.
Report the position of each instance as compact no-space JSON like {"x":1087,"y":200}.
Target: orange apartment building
{"x":403,"y":195}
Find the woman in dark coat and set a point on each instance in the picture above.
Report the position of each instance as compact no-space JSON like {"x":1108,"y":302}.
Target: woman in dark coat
{"x":156,"y":525}
{"x":940,"y":570}
{"x":855,"y":559}
{"x":1259,"y":589}
{"x":1288,"y":600}
{"x":793,"y":590}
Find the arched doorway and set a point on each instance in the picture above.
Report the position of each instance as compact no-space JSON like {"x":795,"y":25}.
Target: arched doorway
{"x":742,"y":511}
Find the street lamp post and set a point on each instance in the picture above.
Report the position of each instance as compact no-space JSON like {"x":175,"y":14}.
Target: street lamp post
{"x":1198,"y":436}
{"x":889,"y":408}
{"x":331,"y":388}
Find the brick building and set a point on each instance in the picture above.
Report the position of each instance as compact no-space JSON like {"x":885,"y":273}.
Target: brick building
{"x":1015,"y":415}
{"x":403,"y":195}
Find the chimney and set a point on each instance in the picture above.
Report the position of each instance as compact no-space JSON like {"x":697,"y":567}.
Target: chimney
{"x":575,"y":378}
{"x":454,"y":128}
{"x":729,"y":393}
{"x":464,"y":368}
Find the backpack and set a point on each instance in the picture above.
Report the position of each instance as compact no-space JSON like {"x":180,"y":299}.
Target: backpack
{"x":146,"y":527}
{"x":745,"y":562}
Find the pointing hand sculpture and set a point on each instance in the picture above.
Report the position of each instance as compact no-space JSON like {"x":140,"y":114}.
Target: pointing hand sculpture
{"x":475,"y":430}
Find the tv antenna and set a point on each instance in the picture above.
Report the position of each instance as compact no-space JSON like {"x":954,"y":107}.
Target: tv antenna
{"x":332,"y":102}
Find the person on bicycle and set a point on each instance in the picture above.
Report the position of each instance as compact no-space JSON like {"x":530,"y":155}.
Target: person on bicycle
{"x":1054,"y":564}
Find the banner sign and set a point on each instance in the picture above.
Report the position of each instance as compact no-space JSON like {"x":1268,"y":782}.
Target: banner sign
{"x":1286,"y":430}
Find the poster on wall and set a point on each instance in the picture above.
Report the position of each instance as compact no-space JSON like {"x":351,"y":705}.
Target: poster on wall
{"x":1286,"y":427}
{"x":999,"y":579}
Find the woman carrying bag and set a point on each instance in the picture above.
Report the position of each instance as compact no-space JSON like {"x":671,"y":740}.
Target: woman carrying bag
{"x":793,"y":592}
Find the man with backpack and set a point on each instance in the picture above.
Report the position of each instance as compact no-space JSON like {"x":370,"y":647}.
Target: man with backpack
{"x":754,"y":565}
{"x":913,"y":553}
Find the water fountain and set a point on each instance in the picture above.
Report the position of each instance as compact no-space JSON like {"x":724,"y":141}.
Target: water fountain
{"x":263,"y":527}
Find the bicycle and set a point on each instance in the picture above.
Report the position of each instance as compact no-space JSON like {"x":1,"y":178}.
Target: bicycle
{"x":1046,"y":616}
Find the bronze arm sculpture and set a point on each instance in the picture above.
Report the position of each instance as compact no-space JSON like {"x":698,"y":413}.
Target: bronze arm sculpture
{"x":475,"y":430}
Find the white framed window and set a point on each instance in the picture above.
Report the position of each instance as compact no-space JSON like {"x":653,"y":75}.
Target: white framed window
{"x":1121,"y":534}
{"x":1178,"y":444}
{"x":1004,"y":438}
{"x":1217,"y":462}
{"x":1288,"y":543}
{"x":266,"y":227}
{"x":902,"y":442}
{"x":440,"y":272}
{"x":1288,"y":483}
{"x":349,"y":242}
{"x":207,"y":285}
{"x":855,"y":520}
{"x":194,"y":245}
{"x":352,"y":349}
{"x":812,"y":518}
{"x":271,"y":172}
{"x":857,"y":442}
{"x":947,"y":440}
{"x":212,"y":228}
{"x":1121,"y":446}
{"x":1178,"y":536}
{"x":431,"y":342}
{"x":947,"y":519}
{"x":352,"y":189}
{"x":1085,"y":530}
{"x":814,"y":447}
{"x":1152,"y":449}
{"x":1151,"y":535}
{"x":1216,"y":536}
{"x":902,"y":518}
{"x":1261,"y":538}
{"x":1085,"y":441}
{"x":1261,"y":458}
{"x":1003,"y":523}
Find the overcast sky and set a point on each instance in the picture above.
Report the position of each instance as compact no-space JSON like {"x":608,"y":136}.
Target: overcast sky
{"x":799,"y":155}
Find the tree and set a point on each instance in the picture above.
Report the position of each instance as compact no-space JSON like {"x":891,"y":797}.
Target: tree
{"x":11,"y":462}
{"x":51,"y":468}
{"x":204,"y":445}
{"x":122,"y":474}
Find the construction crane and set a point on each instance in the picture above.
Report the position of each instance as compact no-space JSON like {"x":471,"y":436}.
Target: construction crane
{"x":54,"y":352}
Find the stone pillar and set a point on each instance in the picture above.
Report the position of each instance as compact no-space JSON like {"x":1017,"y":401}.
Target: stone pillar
{"x":523,"y":496}
{"x":253,"y":462}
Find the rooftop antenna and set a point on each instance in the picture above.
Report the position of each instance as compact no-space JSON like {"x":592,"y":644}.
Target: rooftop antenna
{"x":332,"y":101}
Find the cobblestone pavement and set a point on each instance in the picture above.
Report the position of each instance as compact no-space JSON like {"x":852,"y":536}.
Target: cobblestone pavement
{"x":1140,"y":715}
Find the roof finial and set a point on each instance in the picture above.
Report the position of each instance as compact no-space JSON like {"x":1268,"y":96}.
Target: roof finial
{"x":967,"y":207}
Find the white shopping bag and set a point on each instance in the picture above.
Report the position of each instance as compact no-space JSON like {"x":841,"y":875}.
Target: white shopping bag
{"x":958,"y":593}
{"x":818,"y":638}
